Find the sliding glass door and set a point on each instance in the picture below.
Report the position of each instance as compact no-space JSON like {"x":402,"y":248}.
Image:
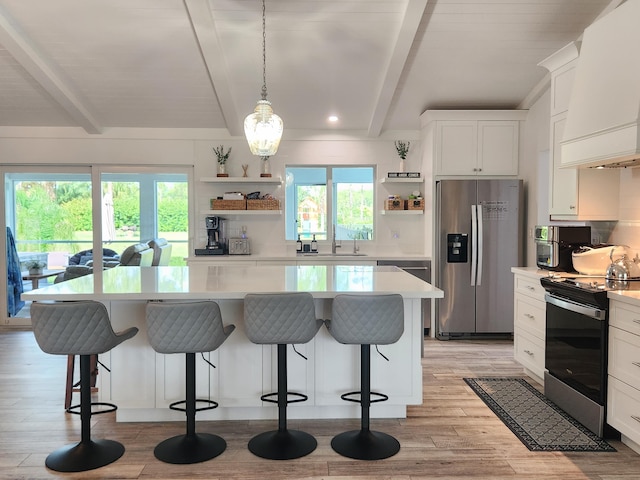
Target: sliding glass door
{"x":53,"y":216}
{"x":140,"y":206}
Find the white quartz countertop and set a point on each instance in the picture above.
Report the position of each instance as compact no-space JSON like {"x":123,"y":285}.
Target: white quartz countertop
{"x":530,"y":271}
{"x":234,"y":282}
{"x":323,"y":257}
{"x":630,"y":297}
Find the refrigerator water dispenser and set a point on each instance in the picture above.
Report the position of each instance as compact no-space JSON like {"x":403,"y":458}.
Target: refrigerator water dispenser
{"x":457,"y":247}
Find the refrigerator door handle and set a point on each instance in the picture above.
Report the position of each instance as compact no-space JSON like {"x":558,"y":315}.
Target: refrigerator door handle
{"x":474,"y":244}
{"x":480,"y":243}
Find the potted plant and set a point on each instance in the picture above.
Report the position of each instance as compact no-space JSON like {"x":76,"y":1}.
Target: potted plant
{"x":403,"y":149}
{"x":222,"y":157}
{"x":35,"y":267}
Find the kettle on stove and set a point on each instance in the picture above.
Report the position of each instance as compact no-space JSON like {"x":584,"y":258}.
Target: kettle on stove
{"x":623,"y":268}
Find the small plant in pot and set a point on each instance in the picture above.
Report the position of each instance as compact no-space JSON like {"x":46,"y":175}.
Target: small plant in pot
{"x":403,"y":149}
{"x":35,"y":267}
{"x":222,"y":157}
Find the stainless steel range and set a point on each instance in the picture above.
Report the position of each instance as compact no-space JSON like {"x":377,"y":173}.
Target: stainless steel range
{"x":577,"y":324}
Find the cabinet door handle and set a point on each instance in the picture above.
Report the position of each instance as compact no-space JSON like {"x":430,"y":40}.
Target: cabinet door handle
{"x":636,"y":418}
{"x":636,"y":321}
{"x":528,"y":315}
{"x":572,"y":207}
{"x":530,"y":288}
{"x":528,"y":352}
{"x":637,"y":364}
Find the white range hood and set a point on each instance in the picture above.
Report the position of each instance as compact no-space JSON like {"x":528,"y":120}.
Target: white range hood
{"x":602,"y":126}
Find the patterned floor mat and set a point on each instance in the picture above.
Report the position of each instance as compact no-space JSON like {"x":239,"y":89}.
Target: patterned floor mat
{"x":535,"y":420}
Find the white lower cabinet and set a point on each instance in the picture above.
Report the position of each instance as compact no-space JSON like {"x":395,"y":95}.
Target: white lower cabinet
{"x":529,"y":313}
{"x":623,"y":391}
{"x":144,"y":383}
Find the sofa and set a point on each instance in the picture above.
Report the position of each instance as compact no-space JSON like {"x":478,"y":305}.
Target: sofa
{"x":81,"y":264}
{"x":137,"y":255}
{"x":161,"y":251}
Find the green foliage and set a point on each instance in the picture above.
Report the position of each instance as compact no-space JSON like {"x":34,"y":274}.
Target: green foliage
{"x":47,"y":211}
{"x":126,"y":211}
{"x":39,"y":216}
{"x":402,"y":148}
{"x":355,"y":204}
{"x":171,"y":216}
{"x":67,"y":191}
{"x":79,"y":210}
{"x":221,"y":155}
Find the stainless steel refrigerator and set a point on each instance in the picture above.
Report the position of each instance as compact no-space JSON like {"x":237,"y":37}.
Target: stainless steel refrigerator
{"x":479,"y":237}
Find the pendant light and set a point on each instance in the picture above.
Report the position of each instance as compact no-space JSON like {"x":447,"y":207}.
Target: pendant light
{"x":263,"y":128}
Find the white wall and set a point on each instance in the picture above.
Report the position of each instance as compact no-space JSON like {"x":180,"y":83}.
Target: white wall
{"x":44,"y":146}
{"x":534,"y":169}
{"x":627,"y":230}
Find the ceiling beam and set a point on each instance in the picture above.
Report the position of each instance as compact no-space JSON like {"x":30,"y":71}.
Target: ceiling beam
{"x":408,"y":30}
{"x":46,"y":73}
{"x":206,"y":36}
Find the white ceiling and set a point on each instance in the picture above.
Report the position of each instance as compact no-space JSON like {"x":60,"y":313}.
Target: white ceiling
{"x":377,"y":64}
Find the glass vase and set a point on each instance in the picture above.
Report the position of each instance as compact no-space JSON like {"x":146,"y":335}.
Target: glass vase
{"x":266,"y":169}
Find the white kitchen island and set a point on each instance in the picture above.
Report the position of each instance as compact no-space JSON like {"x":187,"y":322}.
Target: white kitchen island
{"x":143,"y":383}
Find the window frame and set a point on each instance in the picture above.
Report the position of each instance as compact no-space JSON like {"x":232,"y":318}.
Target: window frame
{"x":331,"y":194}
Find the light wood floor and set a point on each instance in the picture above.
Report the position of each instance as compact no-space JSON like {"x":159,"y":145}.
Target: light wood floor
{"x":452,"y":435}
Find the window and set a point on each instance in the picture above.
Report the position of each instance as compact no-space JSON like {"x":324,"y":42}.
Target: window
{"x":321,"y":200}
{"x":140,"y":206}
{"x":51,"y":215}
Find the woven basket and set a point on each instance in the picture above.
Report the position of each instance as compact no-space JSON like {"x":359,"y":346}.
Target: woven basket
{"x":265,"y":204}
{"x":395,"y":204}
{"x":228,"y":204}
{"x":415,"y":204}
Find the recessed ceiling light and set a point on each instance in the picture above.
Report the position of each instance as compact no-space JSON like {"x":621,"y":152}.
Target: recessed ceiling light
{"x":333,"y":118}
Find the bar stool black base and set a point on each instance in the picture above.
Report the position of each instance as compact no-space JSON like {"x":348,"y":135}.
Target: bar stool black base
{"x":186,"y":449}
{"x":282,"y":444}
{"x":79,"y":457}
{"x":365,"y":445}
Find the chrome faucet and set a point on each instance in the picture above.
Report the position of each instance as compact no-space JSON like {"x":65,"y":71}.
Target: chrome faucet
{"x":356,"y":248}
{"x":333,"y":242}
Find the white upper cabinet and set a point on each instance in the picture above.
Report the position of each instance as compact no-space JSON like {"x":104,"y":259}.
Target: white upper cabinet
{"x":574,"y":194}
{"x":563,"y":182}
{"x":474,"y":142}
{"x":498,"y":147}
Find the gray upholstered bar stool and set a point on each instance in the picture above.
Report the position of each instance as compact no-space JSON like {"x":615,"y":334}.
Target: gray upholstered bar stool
{"x":281,"y":319}
{"x":189,"y":328}
{"x":366,"y":320}
{"x":79,"y":328}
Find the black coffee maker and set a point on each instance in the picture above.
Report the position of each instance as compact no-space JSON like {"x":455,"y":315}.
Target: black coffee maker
{"x":216,"y":237}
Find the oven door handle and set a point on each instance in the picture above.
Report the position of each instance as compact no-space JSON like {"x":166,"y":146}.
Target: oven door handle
{"x":576,"y":307}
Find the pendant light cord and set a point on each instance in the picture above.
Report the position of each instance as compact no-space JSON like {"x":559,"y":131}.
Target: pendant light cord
{"x":264,"y":52}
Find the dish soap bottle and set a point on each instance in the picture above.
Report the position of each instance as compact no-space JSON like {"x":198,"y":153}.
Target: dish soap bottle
{"x":314,"y":244}
{"x":299,"y":245}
